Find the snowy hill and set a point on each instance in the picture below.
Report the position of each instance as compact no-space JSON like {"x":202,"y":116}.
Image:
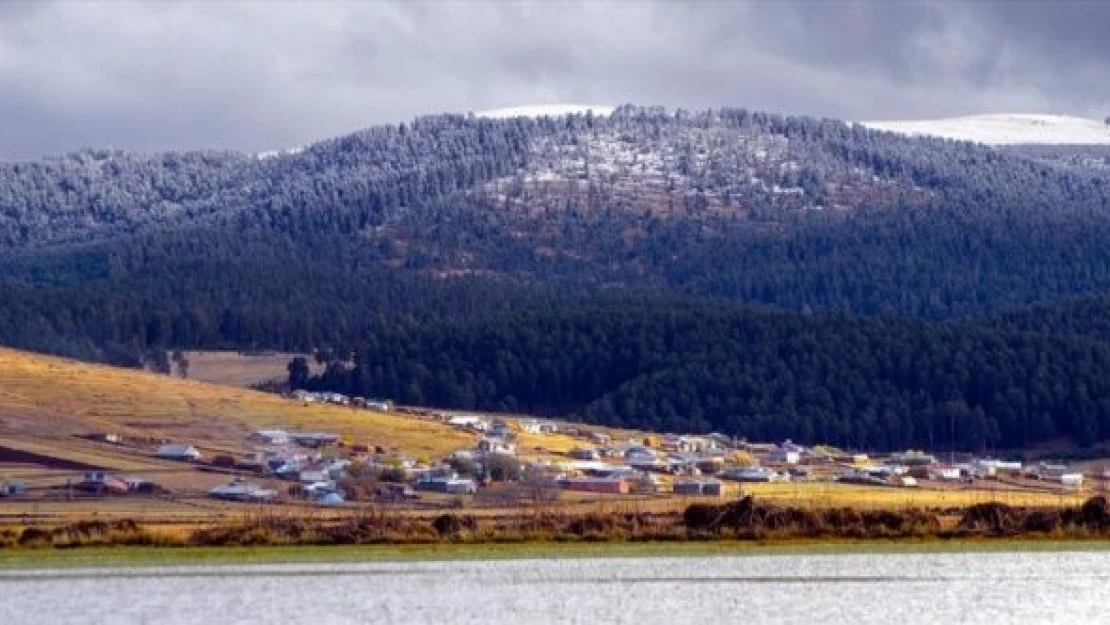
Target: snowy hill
{"x":545,"y":110}
{"x":1006,"y":129}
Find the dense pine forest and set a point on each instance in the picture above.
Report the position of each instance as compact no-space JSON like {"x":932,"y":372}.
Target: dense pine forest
{"x":863,"y":383}
{"x":720,"y":270}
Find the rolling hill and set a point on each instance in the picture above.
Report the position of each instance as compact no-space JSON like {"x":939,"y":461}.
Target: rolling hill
{"x":45,"y":402}
{"x":453,"y":219}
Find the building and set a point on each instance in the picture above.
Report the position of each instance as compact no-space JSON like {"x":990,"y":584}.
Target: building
{"x":912,"y":458}
{"x":1072,"y":480}
{"x":946,"y":474}
{"x":707,"y":488}
{"x":451,"y":484}
{"x":754,"y":474}
{"x":538,"y":426}
{"x":786,"y":453}
{"x":494,"y":446}
{"x":270,"y":437}
{"x":101,"y":483}
{"x":314,"y":439}
{"x":178,"y":451}
{"x":239,"y":490}
{"x":12,"y":489}
{"x":609,"y":485}
{"x":469,"y":422}
{"x":140,"y":485}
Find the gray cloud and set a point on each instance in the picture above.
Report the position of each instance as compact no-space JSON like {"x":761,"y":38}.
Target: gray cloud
{"x":265,"y":75}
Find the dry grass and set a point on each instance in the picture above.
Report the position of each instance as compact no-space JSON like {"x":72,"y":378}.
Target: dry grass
{"x":829,"y":495}
{"x":242,"y":370}
{"x":50,"y":399}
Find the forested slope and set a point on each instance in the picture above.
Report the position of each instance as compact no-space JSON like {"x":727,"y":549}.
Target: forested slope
{"x":419,"y":238}
{"x":867,"y":383}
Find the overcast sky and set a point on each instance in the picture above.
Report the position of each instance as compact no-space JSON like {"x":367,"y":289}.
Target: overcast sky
{"x":270,"y":75}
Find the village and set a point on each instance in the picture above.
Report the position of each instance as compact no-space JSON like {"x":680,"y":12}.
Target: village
{"x":520,"y":461}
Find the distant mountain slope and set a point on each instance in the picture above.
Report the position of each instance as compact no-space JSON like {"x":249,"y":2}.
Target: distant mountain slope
{"x":106,"y":254}
{"x":1006,"y":129}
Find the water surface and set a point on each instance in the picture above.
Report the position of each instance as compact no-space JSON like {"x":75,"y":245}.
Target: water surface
{"x":1038,"y":587}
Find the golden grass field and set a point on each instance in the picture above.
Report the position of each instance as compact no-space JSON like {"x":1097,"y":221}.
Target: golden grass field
{"x":50,"y":399}
{"x":45,"y":401}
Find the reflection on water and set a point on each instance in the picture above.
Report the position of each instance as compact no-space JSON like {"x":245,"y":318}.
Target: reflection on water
{"x":810,"y":589}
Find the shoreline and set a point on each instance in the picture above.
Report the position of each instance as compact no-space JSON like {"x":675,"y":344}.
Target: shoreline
{"x":144,"y":556}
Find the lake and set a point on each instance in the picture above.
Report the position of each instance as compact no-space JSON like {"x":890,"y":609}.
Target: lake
{"x":972,"y":587}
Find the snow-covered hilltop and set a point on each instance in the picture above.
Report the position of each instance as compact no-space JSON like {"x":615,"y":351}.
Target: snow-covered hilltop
{"x":1006,"y":129}
{"x":545,"y":110}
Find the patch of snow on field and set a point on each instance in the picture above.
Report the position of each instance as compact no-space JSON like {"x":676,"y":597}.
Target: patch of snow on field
{"x":1006,"y":129}
{"x":546,"y":110}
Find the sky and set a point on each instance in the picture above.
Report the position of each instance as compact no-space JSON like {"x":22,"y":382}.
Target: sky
{"x":273,"y":75}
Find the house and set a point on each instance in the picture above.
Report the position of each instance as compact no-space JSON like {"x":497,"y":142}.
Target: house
{"x":537,"y":426}
{"x":710,"y":488}
{"x":913,"y":458}
{"x":314,"y":439}
{"x":178,"y":451}
{"x":469,"y":422}
{"x":786,"y":453}
{"x":12,"y":489}
{"x":451,"y":484}
{"x":1072,"y":480}
{"x":494,"y":446}
{"x":336,"y":398}
{"x":239,"y":490}
{"x":101,"y":483}
{"x":946,"y":473}
{"x":609,"y":485}
{"x":639,"y":453}
{"x":270,"y":437}
{"x":754,"y":474}
{"x":140,"y":485}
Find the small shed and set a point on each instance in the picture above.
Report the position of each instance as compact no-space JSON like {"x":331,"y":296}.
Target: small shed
{"x":178,"y":451}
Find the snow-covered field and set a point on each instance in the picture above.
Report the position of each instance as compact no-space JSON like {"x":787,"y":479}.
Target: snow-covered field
{"x":1006,"y":129}
{"x":545,"y":110}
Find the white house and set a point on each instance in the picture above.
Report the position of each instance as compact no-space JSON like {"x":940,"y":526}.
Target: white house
{"x":177,"y":451}
{"x":537,"y":426}
{"x":470,"y":422}
{"x":1074,"y":480}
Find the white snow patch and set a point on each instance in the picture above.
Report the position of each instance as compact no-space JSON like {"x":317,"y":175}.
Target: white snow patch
{"x":1006,"y":129}
{"x":546,"y":110}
